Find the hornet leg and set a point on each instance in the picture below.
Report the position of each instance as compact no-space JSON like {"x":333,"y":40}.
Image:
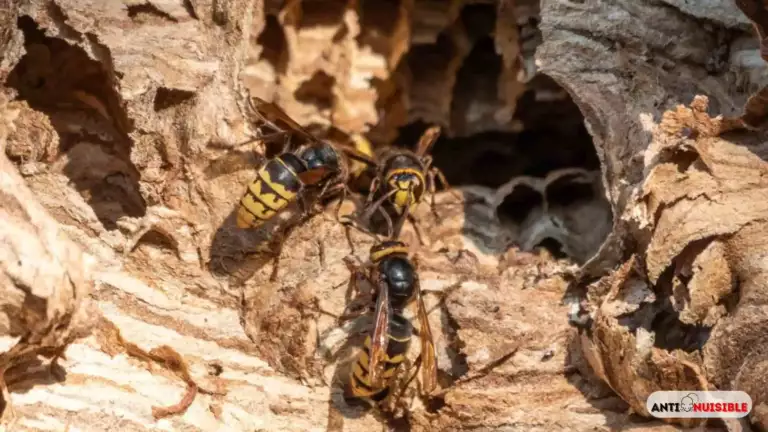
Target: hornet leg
{"x":432,"y":192}
{"x":441,"y":176}
{"x":417,"y":230}
{"x":370,"y":209}
{"x":357,"y":270}
{"x":343,"y":197}
{"x":401,"y":221}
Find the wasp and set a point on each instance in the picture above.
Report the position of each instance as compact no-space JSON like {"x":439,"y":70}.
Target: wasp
{"x":315,"y":164}
{"x":395,"y":280}
{"x":306,"y":164}
{"x":401,"y":179}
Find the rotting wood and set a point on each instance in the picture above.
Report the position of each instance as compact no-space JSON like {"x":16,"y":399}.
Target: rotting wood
{"x":108,"y":201}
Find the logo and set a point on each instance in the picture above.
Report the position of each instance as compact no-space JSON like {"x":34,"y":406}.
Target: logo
{"x":699,"y":404}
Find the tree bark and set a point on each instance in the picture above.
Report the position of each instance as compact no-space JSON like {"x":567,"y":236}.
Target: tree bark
{"x":119,"y":122}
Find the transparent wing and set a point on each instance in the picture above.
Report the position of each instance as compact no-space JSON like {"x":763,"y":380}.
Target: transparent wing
{"x":379,"y":339}
{"x":428,"y":354}
{"x":277,"y":119}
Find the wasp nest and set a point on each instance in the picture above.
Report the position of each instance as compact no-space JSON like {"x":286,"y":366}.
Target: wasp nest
{"x":563,"y":121}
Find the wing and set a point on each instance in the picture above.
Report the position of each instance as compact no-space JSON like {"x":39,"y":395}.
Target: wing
{"x":276,"y":118}
{"x":362,"y":148}
{"x":357,"y":155}
{"x":427,"y":139}
{"x":428,"y":354}
{"x":336,"y":135}
{"x":379,"y":339}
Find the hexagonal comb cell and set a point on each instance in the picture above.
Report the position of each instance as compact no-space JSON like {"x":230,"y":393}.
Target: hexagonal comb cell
{"x":564,"y":212}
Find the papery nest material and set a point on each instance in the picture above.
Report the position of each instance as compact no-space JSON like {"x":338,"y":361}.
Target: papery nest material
{"x":45,"y":278}
{"x":566,"y":206}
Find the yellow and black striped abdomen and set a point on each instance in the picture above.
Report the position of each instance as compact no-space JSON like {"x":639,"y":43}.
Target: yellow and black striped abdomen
{"x":275,"y":186}
{"x":397,"y":349}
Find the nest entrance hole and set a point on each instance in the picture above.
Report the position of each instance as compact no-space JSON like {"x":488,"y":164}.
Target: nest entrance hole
{"x":78,"y":95}
{"x":482,"y":144}
{"x":552,"y":137}
{"x":504,"y":125}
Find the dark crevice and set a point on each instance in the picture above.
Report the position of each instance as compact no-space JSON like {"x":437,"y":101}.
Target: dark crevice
{"x":478,"y":19}
{"x":545,"y":104}
{"x":426,"y":61}
{"x":190,"y":8}
{"x":671,"y":333}
{"x":476,"y":89}
{"x":553,"y":246}
{"x":401,"y":424}
{"x":731,"y":300}
{"x":318,"y":90}
{"x":682,"y":157}
{"x":78,"y":95}
{"x":22,"y":378}
{"x":519,"y":203}
{"x":147,"y":11}
{"x":662,"y":318}
{"x":340,"y":34}
{"x":159,"y":240}
{"x":168,"y":97}
{"x":274,"y":45}
{"x":377,"y":21}
{"x":325,"y":13}
{"x":435,"y":404}
{"x":566,"y":191}
{"x":553,"y":137}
